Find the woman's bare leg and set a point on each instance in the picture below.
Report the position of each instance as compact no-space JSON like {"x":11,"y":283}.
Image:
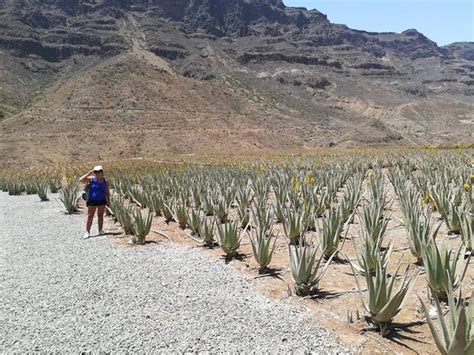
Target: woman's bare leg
{"x":100,"y":216}
{"x":90,"y":217}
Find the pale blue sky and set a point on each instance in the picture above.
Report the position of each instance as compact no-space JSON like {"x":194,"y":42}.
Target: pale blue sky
{"x":443,"y":21}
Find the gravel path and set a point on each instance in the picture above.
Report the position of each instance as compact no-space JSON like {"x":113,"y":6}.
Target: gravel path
{"x":61,"y":293}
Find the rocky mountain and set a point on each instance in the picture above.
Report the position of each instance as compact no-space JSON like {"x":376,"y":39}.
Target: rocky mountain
{"x":87,"y":79}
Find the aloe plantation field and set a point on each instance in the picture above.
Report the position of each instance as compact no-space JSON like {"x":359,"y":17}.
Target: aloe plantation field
{"x":344,"y":251}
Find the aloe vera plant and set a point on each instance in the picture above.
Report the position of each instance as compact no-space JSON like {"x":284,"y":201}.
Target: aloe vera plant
{"x":377,"y":188}
{"x":123,"y":214}
{"x":383,"y":302}
{"x":228,"y":193}
{"x":206,"y":231}
{"x":321,"y":203}
{"x":69,"y":198}
{"x":261,"y":188}
{"x":330,"y":233}
{"x":293,"y":226}
{"x":420,"y":231}
{"x":439,"y":195}
{"x":456,"y":335}
{"x":54,"y":185}
{"x":168,"y":211}
{"x":445,"y":267}
{"x":369,"y":253}
{"x":194,"y":221}
{"x":263,"y":218}
{"x":279,"y":211}
{"x":244,"y":215}
{"x":244,"y":197}
{"x":373,"y":221}
{"x":207,"y":205}
{"x":309,"y":217}
{"x":263,"y":245}
{"x":30,"y":188}
{"x":42,"y":190}
{"x":229,"y":237}
{"x":155,"y":202}
{"x":353,"y":192}
{"x":137,"y":194}
{"x":447,"y":198}
{"x":221,"y":210}
{"x":306,"y":268}
{"x":453,"y":221}
{"x":467,"y":228}
{"x":196,"y":195}
{"x":15,"y":188}
{"x":142,"y":220}
{"x":181,"y":215}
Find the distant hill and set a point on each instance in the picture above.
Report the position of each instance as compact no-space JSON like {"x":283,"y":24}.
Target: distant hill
{"x":89,"y":79}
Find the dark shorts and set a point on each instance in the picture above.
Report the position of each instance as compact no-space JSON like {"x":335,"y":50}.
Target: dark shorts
{"x":96,"y":203}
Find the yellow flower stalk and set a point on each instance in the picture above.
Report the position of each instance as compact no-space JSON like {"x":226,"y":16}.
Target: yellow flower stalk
{"x":426,"y":198}
{"x":295,"y":184}
{"x":310,"y":180}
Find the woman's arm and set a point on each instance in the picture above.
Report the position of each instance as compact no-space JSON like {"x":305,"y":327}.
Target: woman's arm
{"x":85,"y":178}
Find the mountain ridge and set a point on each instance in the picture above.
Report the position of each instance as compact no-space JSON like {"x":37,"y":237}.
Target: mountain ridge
{"x":310,"y":82}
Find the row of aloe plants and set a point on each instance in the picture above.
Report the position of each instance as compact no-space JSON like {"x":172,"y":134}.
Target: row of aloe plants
{"x":264,"y":202}
{"x":315,"y":205}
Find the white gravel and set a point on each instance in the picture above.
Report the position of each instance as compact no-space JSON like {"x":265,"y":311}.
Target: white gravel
{"x":63,"y":294}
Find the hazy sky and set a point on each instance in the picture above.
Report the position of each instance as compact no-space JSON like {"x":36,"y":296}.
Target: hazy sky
{"x":443,"y":21}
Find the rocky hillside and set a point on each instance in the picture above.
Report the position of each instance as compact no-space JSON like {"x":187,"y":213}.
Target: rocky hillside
{"x":143,"y":77}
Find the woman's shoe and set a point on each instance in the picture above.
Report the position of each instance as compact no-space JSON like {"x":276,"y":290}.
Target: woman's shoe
{"x":101,"y":232}
{"x":86,"y":235}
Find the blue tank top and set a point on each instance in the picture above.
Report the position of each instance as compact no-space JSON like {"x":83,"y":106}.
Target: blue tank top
{"x":97,"y":190}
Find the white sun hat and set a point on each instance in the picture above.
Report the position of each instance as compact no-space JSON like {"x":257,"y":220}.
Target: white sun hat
{"x":98,"y":168}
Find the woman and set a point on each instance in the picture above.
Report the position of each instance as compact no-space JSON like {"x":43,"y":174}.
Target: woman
{"x":98,"y":197}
